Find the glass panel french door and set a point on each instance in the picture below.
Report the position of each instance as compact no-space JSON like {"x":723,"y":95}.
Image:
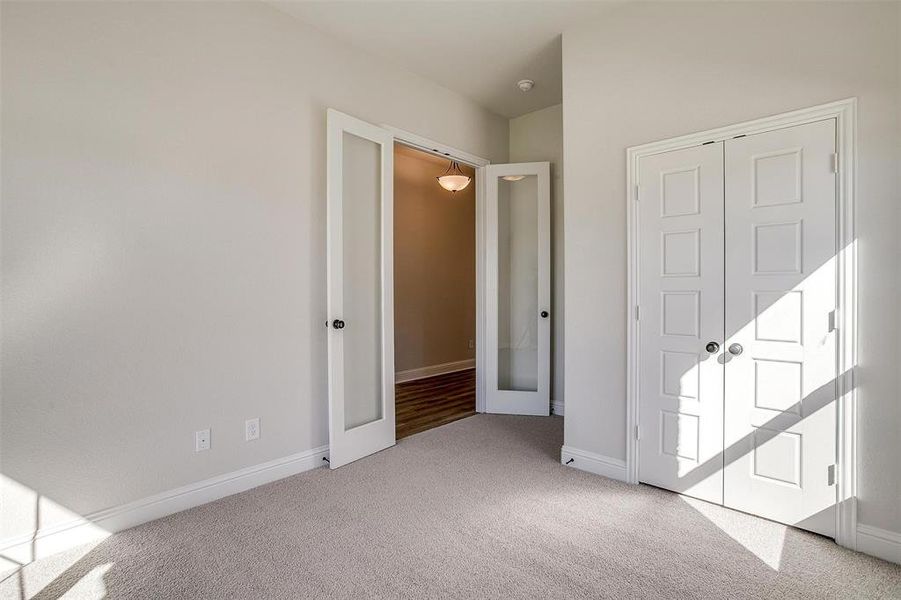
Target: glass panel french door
{"x":518,"y":288}
{"x":360,"y":289}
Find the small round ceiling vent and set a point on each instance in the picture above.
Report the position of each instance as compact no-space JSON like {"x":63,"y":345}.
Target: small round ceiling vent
{"x":525,"y":85}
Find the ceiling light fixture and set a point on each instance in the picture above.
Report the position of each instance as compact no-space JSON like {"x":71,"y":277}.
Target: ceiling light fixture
{"x":513,"y":177}
{"x":525,"y":85}
{"x":454,"y":179}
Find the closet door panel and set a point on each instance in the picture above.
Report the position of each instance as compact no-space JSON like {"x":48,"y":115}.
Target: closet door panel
{"x":681,"y":310}
{"x":780,"y":390}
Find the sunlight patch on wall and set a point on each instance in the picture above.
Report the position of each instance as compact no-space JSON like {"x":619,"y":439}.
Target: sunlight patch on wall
{"x":33,"y":526}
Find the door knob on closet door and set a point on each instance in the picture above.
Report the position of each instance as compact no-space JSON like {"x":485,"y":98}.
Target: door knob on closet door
{"x":712,"y":347}
{"x":735,"y":349}
{"x":544,"y":314}
{"x":338,"y":324}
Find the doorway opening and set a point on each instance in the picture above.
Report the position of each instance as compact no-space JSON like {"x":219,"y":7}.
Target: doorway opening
{"x":434,"y":293}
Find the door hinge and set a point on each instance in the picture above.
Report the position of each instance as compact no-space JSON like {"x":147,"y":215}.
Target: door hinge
{"x":637,"y":432}
{"x":833,"y":320}
{"x":637,"y":313}
{"x":835,"y":163}
{"x":830,"y":475}
{"x":637,"y":192}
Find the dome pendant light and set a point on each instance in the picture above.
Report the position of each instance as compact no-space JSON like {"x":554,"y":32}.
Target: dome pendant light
{"x":453,"y":179}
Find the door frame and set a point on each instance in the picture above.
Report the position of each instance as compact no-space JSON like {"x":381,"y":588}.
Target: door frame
{"x":845,"y":114}
{"x":428,"y":146}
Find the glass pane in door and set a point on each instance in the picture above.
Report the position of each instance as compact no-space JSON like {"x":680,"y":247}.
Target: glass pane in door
{"x":361,"y":216}
{"x":517,"y":273}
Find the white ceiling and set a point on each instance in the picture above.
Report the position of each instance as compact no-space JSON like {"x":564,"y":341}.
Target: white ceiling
{"x":478,"y":49}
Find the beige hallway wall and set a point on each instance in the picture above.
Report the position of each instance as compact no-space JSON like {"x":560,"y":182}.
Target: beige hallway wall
{"x":434,"y":264}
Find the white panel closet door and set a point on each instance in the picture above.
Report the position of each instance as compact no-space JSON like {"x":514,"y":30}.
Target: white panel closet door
{"x":360,"y":288}
{"x":681,"y":304}
{"x":780,"y":413}
{"x":518,"y":292}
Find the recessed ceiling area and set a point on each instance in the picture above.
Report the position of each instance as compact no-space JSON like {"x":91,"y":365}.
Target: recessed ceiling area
{"x":478,"y":49}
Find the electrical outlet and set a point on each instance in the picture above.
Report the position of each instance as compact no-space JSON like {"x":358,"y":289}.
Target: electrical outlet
{"x":252,"y":429}
{"x":471,"y":344}
{"x":201,"y":440}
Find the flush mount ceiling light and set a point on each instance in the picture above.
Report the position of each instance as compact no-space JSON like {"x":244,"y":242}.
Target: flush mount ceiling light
{"x":525,"y":85}
{"x":454,"y":179}
{"x":513,"y":177}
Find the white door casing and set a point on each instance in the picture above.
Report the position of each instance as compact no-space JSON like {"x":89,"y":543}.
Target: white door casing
{"x":780,"y":391}
{"x":517,"y":288}
{"x":680,"y":215}
{"x":360,"y":288}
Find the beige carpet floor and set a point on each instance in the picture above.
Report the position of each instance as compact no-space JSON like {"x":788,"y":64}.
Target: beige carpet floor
{"x":479,"y":508}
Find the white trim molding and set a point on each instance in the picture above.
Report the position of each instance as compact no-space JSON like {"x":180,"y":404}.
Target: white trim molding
{"x":481,"y":297}
{"x":95,"y":526}
{"x":424,"y":144}
{"x":605,"y":466}
{"x":845,"y":114}
{"x":880,"y":543}
{"x":432,"y":370}
{"x":557,"y":407}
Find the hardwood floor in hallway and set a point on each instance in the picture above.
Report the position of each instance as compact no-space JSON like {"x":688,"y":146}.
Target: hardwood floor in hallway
{"x":433,"y":401}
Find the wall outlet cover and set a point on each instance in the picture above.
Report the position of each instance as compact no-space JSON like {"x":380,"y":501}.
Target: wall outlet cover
{"x":201,"y":440}
{"x":251,"y":429}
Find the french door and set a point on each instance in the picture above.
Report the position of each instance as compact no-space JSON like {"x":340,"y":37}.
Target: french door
{"x":360,"y":260}
{"x":518,"y":322}
{"x":737,"y":347}
{"x":360,"y":256}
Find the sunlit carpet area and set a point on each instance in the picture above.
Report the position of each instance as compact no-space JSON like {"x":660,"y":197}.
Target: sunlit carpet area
{"x":479,"y":508}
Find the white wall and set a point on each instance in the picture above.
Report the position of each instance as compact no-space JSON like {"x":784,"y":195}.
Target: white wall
{"x":163,"y":238}
{"x":538,"y":136}
{"x":653,"y":71}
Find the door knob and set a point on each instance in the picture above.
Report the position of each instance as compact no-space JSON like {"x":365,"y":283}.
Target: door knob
{"x":544,"y":314}
{"x":338,"y":324}
{"x":712,"y":347}
{"x":735,"y":349}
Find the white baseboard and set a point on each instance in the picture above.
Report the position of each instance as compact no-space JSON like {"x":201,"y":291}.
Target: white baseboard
{"x":432,"y":370}
{"x":613,"y":468}
{"x":557,"y":407}
{"x":95,"y":526}
{"x":880,"y":543}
